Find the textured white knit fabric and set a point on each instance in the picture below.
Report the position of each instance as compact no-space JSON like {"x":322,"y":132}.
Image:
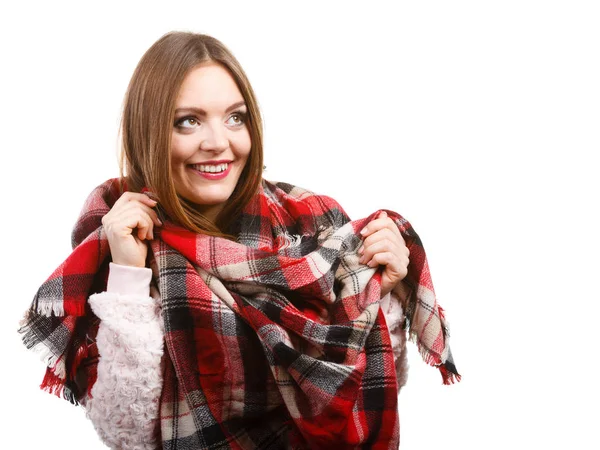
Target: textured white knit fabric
{"x":124,"y":407}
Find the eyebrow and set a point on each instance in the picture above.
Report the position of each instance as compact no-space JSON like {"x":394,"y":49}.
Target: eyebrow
{"x":202,"y":112}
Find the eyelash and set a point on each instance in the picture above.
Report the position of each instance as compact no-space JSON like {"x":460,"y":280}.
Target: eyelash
{"x":241,"y":114}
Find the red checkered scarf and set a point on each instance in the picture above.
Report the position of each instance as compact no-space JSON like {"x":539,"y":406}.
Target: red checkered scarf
{"x":276,"y":340}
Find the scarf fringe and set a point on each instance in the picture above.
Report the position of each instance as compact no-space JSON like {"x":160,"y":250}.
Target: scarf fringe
{"x":61,"y":309}
{"x":449,"y":377}
{"x":447,"y":370}
{"x":52,"y":384}
{"x":54,"y":363}
{"x":54,"y":381}
{"x":49,"y":309}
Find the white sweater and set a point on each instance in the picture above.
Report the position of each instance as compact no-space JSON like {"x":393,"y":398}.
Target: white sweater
{"x":124,"y":407}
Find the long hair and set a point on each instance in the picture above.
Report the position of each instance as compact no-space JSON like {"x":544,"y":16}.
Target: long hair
{"x":147,"y":124}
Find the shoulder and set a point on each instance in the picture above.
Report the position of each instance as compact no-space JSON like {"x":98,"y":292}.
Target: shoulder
{"x":104,"y":195}
{"x":96,"y":205}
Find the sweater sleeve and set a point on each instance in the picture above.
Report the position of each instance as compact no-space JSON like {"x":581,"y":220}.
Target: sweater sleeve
{"x":392,"y":307}
{"x":124,"y":401}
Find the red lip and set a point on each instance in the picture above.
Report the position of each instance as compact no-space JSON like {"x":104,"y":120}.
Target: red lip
{"x":213,"y":176}
{"x":220,"y":161}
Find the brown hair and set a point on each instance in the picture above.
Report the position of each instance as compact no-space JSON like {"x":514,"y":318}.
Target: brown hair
{"x":147,"y":124}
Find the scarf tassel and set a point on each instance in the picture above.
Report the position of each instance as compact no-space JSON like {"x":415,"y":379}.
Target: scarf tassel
{"x":449,"y":373}
{"x":447,"y":368}
{"x":32,"y":342}
{"x":59,"y":387}
{"x":52,"y":383}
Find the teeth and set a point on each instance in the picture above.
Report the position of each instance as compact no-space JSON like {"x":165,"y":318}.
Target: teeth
{"x":211,"y":168}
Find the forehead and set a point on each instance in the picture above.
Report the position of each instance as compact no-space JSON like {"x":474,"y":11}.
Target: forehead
{"x":208,"y":85}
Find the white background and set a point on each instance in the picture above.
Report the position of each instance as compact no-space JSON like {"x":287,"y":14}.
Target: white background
{"x":476,"y":120}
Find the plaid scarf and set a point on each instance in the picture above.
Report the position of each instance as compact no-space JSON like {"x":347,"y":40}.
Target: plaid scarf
{"x":275,"y":340}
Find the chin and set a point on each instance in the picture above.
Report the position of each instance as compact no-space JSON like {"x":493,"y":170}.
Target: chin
{"x":208,"y":200}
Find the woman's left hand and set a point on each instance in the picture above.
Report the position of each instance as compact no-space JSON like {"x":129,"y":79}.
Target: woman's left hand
{"x":383,"y":245}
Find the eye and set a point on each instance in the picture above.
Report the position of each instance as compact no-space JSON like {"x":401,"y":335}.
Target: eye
{"x":186,"y":122}
{"x":238,"y":117}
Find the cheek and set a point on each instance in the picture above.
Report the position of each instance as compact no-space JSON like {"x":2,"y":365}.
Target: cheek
{"x":179,"y":150}
{"x":243,"y":144}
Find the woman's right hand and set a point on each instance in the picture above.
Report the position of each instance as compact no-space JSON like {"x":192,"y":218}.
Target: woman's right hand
{"x":132,"y":212}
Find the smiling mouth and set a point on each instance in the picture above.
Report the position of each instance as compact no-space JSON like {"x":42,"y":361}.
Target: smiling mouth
{"x":210,"y":168}
{"x":212,"y":172}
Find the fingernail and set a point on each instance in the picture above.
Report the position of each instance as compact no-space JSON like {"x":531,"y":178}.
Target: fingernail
{"x":382,"y":214}
{"x":361,"y":260}
{"x":363,"y":231}
{"x":361,"y":249}
{"x":371,"y":263}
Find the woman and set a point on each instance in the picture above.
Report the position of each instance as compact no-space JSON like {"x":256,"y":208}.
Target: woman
{"x":261,"y":317}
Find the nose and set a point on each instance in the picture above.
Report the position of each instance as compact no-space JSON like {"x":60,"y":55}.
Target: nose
{"x":215,"y":139}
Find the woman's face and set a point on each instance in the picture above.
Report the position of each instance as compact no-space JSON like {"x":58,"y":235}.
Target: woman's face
{"x":210,"y":141}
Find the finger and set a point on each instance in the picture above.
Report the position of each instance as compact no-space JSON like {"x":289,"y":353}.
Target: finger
{"x":146,"y":225}
{"x":390,"y":224}
{"x":392,"y":235}
{"x":394,"y":270}
{"x":143,"y":232}
{"x":135,"y":196}
{"x":143,"y":198}
{"x":382,"y":235}
{"x":382,"y":246}
{"x":133,"y":207}
{"x":387,"y":259}
{"x":129,"y":197}
{"x":380,"y":223}
{"x":152,"y":214}
{"x":124,"y":223}
{"x":145,"y":229}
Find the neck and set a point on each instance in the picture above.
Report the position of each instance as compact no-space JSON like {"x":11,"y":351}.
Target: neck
{"x":210,"y":212}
